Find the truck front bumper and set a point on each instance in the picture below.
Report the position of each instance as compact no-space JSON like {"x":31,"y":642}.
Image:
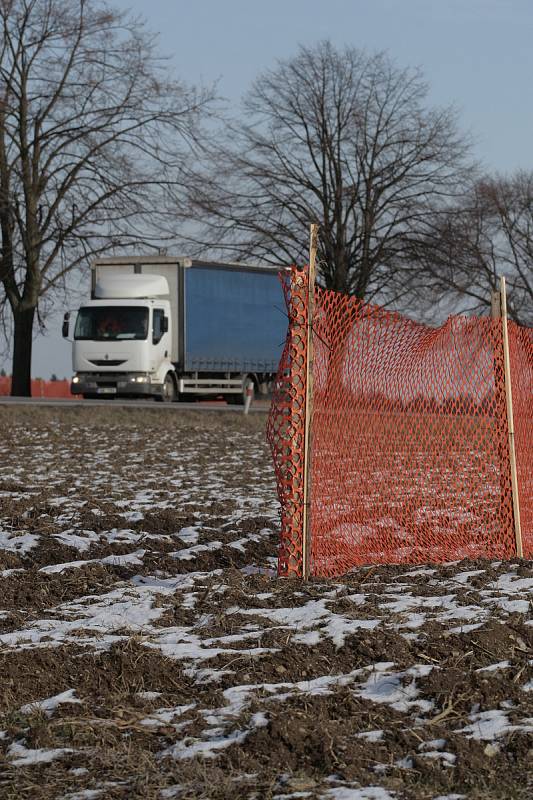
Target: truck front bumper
{"x":109,"y":385}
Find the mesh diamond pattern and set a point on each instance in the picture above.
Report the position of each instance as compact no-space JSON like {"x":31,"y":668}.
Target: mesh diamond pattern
{"x":409,"y":441}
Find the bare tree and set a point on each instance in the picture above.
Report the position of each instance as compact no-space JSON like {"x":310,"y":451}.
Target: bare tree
{"x":342,"y":138}
{"x":490,"y":233}
{"x":93,"y":133}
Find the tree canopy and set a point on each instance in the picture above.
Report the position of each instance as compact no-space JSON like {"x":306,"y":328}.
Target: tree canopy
{"x":343,"y":138}
{"x":93,"y":135}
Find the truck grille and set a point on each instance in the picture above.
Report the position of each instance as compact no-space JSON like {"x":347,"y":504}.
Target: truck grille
{"x":100,"y":362}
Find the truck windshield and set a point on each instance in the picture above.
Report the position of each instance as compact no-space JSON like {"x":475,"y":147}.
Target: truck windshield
{"x":101,"y":323}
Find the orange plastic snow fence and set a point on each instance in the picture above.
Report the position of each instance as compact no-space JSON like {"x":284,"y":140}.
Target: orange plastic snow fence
{"x":40,"y":388}
{"x":409,"y":452}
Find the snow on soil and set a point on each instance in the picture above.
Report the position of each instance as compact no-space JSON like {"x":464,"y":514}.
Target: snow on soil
{"x":362,"y":688}
{"x":21,"y":756}
{"x":49,"y":704}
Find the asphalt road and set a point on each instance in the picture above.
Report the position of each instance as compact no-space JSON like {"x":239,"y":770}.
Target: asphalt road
{"x":260,"y":406}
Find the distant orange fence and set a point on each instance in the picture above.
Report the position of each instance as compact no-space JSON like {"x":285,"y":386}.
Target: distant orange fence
{"x":407,"y":436}
{"x":40,"y":388}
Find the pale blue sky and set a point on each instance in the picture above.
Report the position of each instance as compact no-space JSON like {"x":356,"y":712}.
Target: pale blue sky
{"x":476,"y":54}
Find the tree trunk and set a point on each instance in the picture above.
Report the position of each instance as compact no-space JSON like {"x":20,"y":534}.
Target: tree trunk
{"x":23,"y":341}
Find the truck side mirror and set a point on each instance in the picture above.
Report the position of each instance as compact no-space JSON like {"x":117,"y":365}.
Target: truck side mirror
{"x":65,"y":326}
{"x":164,"y":325}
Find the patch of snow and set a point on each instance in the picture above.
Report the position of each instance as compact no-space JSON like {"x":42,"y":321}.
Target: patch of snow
{"x":118,"y":560}
{"x":191,"y":552}
{"x":182,"y":643}
{"x":215,"y":741}
{"x":314,"y":613}
{"x":164,"y":716}
{"x":310,"y":638}
{"x":453,"y":796}
{"x":80,"y":539}
{"x":511,"y":584}
{"x":411,"y":621}
{"x":338,"y":627}
{"x":489,"y":725}
{"x":448,"y":759}
{"x":189,"y":535}
{"x":356,"y":599}
{"x":366,"y":793}
{"x":205,"y":675}
{"x":383,"y":686}
{"x":512,"y":606}
{"x":406,"y":602}
{"x":433,"y":744}
{"x":464,"y":577}
{"x":370,"y":736}
{"x":56,"y":569}
{"x":135,"y":558}
{"x":171,"y":791}
{"x":462,"y":612}
{"x":404,"y":763}
{"x":494,"y":667}
{"x":240,"y":544}
{"x":21,"y":756}
{"x":298,"y":617}
{"x":132,"y":516}
{"x":126,"y":608}
{"x":121,"y":536}
{"x":467,"y":628}
{"x":252,"y":569}
{"x":415,"y":572}
{"x":50,"y":704}
{"x":17,"y":542}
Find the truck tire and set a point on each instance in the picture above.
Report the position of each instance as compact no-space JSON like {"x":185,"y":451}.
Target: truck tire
{"x":169,"y":390}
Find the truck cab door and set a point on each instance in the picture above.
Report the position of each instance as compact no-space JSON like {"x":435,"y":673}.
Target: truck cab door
{"x":160,"y":337}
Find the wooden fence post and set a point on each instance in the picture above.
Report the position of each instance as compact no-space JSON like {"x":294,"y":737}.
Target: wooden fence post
{"x":510,"y":416}
{"x":309,"y":401}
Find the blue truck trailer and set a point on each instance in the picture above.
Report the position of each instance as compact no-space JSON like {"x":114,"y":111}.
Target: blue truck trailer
{"x":173,"y":328}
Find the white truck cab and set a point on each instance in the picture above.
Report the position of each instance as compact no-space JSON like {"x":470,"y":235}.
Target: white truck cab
{"x":172,"y":327}
{"x":122,"y":339}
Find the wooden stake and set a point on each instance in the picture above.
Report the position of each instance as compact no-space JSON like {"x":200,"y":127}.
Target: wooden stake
{"x":309,"y":401}
{"x":510,"y":418}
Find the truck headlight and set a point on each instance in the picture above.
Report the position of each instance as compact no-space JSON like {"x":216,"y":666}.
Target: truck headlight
{"x":140,"y":379}
{"x":75,"y":379}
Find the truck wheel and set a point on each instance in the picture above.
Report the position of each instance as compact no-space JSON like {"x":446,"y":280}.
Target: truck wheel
{"x":169,"y":390}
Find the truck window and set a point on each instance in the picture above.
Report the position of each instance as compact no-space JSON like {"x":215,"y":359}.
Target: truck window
{"x":157,"y":331}
{"x":103,"y":323}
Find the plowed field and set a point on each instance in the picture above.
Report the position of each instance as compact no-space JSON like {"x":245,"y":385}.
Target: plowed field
{"x":148,"y":650}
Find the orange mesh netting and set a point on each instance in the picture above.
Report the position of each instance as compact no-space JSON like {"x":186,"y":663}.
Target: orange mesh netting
{"x":286,"y":423}
{"x":409,"y":448}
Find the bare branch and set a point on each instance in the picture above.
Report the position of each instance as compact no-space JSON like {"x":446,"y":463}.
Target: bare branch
{"x":344,"y":138}
{"x":94,"y":135}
